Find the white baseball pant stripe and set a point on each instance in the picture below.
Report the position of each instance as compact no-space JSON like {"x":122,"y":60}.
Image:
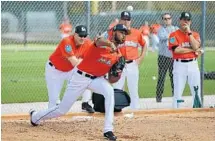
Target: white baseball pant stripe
{"x":183,"y":72}
{"x":75,"y":87}
{"x":131,"y":72}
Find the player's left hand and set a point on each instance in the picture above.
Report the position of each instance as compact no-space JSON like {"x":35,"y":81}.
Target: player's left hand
{"x":199,"y":52}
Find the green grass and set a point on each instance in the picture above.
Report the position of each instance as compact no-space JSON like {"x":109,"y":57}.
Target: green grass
{"x":23,"y":76}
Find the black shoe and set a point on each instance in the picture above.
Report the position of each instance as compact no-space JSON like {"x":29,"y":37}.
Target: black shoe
{"x":110,"y":136}
{"x":31,"y":113}
{"x":87,"y":107}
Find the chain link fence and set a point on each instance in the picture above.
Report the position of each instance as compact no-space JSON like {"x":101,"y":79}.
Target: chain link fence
{"x":30,"y":32}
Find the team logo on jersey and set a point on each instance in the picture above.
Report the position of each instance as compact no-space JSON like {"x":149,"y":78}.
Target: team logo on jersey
{"x":186,"y":45}
{"x":172,"y":40}
{"x":105,"y":61}
{"x":68,"y":48}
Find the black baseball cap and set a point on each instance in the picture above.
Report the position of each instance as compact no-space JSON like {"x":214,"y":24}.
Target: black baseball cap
{"x":81,"y":30}
{"x":186,"y":15}
{"x":126,"y":15}
{"x":121,"y":27}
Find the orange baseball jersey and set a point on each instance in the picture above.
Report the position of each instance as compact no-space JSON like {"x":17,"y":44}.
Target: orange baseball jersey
{"x":98,"y":60}
{"x":129,"y":48}
{"x":155,"y":28}
{"x":145,"y":30}
{"x":181,"y":39}
{"x":65,"y":28}
{"x":65,"y":49}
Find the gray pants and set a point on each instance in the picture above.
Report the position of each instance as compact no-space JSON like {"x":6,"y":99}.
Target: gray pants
{"x":164,"y":64}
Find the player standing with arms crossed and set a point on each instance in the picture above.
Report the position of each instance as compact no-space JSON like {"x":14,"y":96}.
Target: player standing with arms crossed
{"x":129,"y":50}
{"x":185,"y":47}
{"x":102,"y":54}
{"x":70,"y":51}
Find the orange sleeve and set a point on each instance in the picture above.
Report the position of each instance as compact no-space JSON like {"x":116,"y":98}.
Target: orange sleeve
{"x":197,"y":36}
{"x":173,"y":40}
{"x":141,"y":40}
{"x":66,"y":48}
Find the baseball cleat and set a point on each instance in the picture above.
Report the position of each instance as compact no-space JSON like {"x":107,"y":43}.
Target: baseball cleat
{"x":110,"y":136}
{"x":87,"y":107}
{"x":31,"y":113}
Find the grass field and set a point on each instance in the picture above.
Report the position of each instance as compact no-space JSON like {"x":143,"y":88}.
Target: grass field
{"x":23,"y":75}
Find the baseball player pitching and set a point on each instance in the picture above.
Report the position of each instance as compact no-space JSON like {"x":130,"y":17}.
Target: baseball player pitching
{"x":103,"y":54}
{"x":185,"y":46}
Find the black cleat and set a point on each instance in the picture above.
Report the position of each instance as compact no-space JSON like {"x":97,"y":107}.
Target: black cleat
{"x":31,"y":113}
{"x":87,"y":107}
{"x":110,"y":136}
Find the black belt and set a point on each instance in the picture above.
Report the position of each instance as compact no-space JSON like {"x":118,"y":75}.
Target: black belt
{"x":87,"y":75}
{"x":129,"y":61}
{"x":50,"y":63}
{"x":185,"y":61}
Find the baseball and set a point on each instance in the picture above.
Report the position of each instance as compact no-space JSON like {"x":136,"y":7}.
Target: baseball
{"x":130,"y":8}
{"x":153,"y":77}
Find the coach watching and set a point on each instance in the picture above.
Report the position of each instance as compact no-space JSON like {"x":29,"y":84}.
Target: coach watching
{"x":165,"y":61}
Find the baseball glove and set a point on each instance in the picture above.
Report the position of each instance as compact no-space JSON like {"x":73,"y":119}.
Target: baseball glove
{"x":116,"y":70}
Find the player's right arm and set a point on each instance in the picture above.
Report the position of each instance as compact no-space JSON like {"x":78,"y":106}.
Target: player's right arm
{"x":175,"y":47}
{"x":67,"y":51}
{"x":101,"y":41}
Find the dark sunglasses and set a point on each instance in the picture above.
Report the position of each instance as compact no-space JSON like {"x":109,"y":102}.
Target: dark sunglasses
{"x":185,"y":19}
{"x":167,"y":18}
{"x":82,"y":36}
{"x":126,"y":19}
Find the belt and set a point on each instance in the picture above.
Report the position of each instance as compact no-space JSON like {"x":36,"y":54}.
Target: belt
{"x":86,"y":75}
{"x":185,"y":61}
{"x":129,"y":61}
{"x":50,"y":63}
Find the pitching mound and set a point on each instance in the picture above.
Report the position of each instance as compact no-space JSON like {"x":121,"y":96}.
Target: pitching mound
{"x":193,"y":126}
